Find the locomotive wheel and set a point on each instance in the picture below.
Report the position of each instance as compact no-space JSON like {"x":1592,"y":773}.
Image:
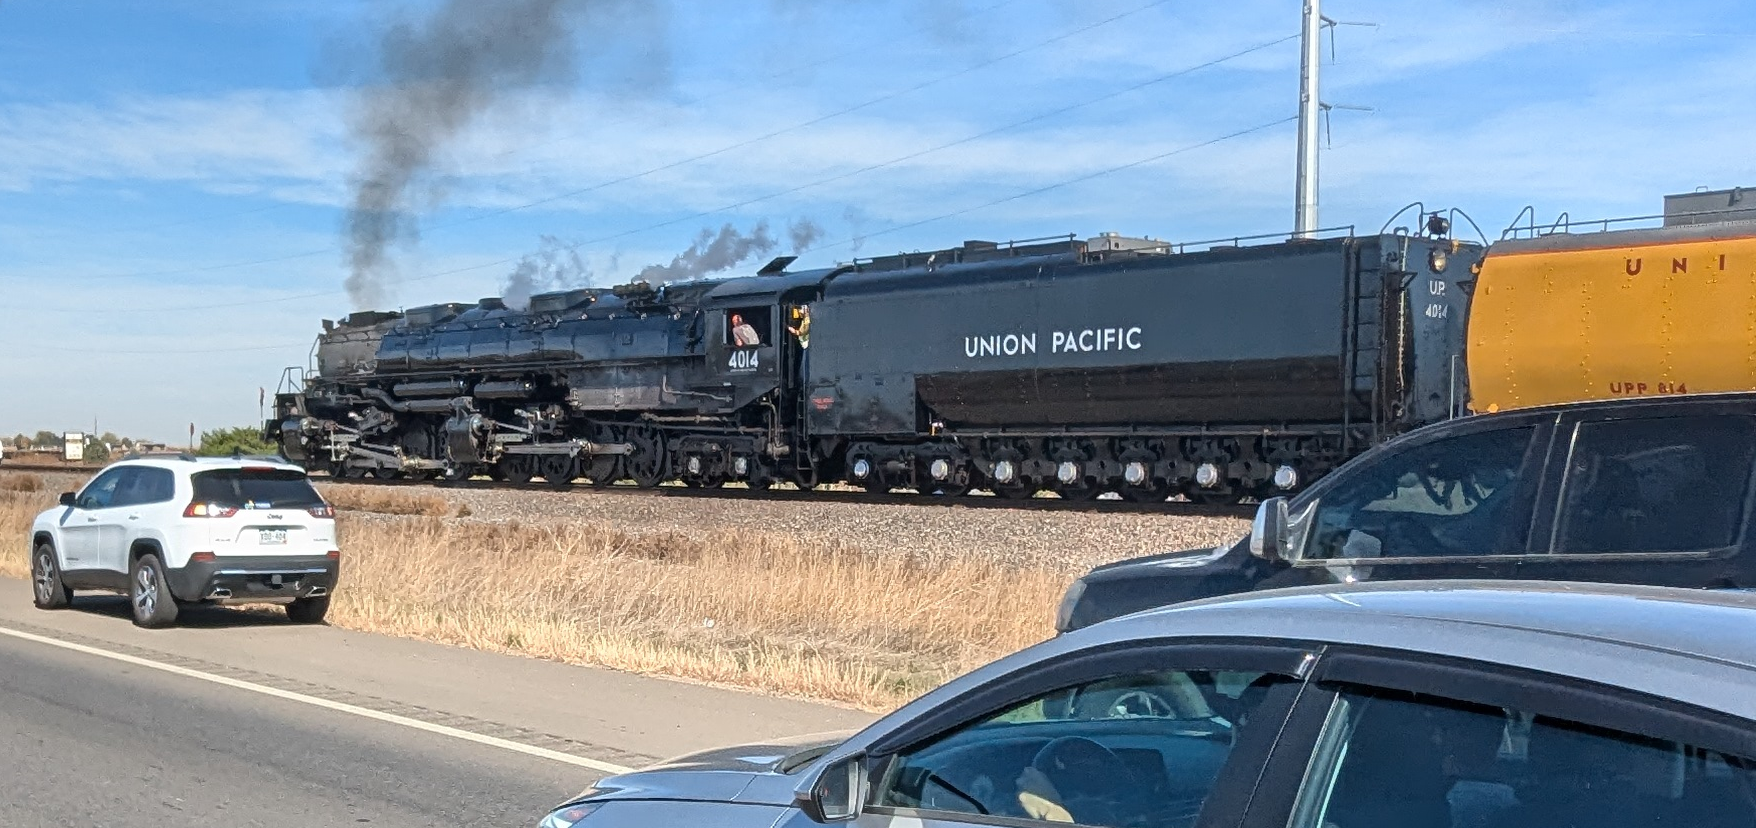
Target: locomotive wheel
{"x":604,"y":470}
{"x":347,"y":472}
{"x":514,"y":468}
{"x":647,"y":463}
{"x":557,"y":469}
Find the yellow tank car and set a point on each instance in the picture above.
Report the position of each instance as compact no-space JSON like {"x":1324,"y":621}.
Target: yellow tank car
{"x":1627,"y":313}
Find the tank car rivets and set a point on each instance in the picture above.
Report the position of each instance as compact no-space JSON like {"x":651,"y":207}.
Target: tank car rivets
{"x":1286,"y":477}
{"x":1067,"y":472}
{"x":940,"y":468}
{"x":1207,"y":475}
{"x":1134,"y":473}
{"x":1005,"y":471}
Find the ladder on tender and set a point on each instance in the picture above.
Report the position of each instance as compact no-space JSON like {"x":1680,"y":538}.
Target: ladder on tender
{"x":1363,"y":366}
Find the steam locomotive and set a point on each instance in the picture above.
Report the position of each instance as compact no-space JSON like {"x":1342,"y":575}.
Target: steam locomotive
{"x":1216,"y":370}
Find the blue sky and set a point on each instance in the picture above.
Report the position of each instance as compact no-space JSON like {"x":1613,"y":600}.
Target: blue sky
{"x":174,"y":173}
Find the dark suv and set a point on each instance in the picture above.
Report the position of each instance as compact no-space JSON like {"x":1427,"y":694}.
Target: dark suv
{"x":1641,"y":491}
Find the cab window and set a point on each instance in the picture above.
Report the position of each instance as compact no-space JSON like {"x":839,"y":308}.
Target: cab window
{"x":1673,"y":484}
{"x":1406,"y":759}
{"x":1459,"y":495}
{"x":748,"y":327}
{"x":1132,"y":751}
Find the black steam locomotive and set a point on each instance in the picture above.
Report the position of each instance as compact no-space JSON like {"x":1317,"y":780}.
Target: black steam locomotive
{"x":1073,"y":366}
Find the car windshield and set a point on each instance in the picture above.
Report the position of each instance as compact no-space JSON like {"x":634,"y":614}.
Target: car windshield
{"x":256,"y":488}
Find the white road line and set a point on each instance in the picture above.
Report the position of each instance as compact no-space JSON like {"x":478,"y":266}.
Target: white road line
{"x":340,"y":707}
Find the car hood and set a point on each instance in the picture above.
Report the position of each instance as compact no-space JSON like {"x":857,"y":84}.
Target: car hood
{"x":1165,"y":560}
{"x":762,"y":773}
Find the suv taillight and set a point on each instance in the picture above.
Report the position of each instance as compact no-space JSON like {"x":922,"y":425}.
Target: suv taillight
{"x":214,"y":510}
{"x":323,"y":510}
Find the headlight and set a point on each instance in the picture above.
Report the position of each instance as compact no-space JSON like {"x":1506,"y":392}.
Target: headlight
{"x":568,"y":816}
{"x":1064,"y":614}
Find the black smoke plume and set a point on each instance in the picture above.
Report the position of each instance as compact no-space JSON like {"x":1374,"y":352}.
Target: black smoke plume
{"x":803,"y":233}
{"x":555,"y":265}
{"x":429,"y":80}
{"x":710,"y":253}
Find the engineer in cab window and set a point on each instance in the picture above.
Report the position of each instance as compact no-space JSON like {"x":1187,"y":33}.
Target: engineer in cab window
{"x":743,"y":335}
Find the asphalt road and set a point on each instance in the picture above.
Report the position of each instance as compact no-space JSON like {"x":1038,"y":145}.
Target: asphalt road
{"x":244,"y":721}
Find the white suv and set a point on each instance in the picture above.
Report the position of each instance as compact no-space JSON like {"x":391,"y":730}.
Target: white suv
{"x":176,"y":530}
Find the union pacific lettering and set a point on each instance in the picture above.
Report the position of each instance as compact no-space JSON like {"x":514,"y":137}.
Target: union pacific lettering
{"x":1088,"y":340}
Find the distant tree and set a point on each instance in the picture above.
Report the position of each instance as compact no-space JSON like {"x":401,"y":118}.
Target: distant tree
{"x":46,"y":439}
{"x":110,"y":439}
{"x":96,"y":452}
{"x":20,"y":442}
{"x":221,"y":442}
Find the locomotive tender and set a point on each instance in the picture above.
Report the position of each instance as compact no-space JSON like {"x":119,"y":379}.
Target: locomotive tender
{"x":1073,"y":366}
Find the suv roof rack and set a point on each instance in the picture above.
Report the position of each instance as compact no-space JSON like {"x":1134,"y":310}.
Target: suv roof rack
{"x":148,"y":455}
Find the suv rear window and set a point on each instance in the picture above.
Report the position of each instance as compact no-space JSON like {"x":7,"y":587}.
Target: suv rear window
{"x":255,"y":488}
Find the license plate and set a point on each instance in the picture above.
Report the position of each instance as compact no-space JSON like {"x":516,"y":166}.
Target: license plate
{"x":271,"y":536}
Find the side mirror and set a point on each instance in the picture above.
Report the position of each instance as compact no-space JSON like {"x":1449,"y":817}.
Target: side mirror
{"x":838,"y":792}
{"x":1268,"y":532}
{"x":66,"y":498}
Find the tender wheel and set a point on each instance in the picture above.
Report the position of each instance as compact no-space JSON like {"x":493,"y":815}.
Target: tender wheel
{"x":1146,"y":494}
{"x":149,"y":594}
{"x":1014,"y":491}
{"x":45,"y":576}
{"x":308,"y":610}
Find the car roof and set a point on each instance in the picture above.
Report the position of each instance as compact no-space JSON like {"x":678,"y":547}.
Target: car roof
{"x":1695,"y":646}
{"x":191,"y":464}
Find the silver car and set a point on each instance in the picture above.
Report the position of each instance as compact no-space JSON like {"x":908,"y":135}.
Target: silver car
{"x":1409,"y":705}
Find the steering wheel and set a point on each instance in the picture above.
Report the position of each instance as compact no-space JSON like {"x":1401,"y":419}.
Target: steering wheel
{"x":1152,"y":703}
{"x":1087,"y":776}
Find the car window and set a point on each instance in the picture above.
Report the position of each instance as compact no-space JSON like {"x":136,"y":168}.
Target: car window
{"x":255,"y":488}
{"x":143,"y":486}
{"x":100,"y":493}
{"x":1672,"y":484}
{"x":1405,"y":759}
{"x":1457,"y":495}
{"x":1133,"y":751}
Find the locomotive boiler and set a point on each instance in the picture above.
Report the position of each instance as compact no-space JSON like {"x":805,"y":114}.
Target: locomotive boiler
{"x":1215,"y":370}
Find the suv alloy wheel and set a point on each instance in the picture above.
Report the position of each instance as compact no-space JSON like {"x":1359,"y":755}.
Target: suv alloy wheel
{"x":149,"y":594}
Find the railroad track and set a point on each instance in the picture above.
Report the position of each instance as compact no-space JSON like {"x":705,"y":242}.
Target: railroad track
{"x":780,"y":494}
{"x":828,"y":495}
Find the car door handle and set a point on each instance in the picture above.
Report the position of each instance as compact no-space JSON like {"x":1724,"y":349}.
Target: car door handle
{"x":133,"y":517}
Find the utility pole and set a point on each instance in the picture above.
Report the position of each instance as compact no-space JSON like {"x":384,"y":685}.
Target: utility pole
{"x":1310,"y":104}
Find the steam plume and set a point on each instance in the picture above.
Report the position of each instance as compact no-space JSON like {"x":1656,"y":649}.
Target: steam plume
{"x":712,"y":252}
{"x":553,"y":266}
{"x":431,"y":79}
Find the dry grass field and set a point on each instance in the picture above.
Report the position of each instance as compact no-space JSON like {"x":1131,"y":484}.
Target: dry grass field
{"x":753,"y":609}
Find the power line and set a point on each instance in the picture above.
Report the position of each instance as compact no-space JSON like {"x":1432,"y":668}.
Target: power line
{"x":887,"y":231}
{"x":868,"y":103}
{"x":1059,"y":184}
